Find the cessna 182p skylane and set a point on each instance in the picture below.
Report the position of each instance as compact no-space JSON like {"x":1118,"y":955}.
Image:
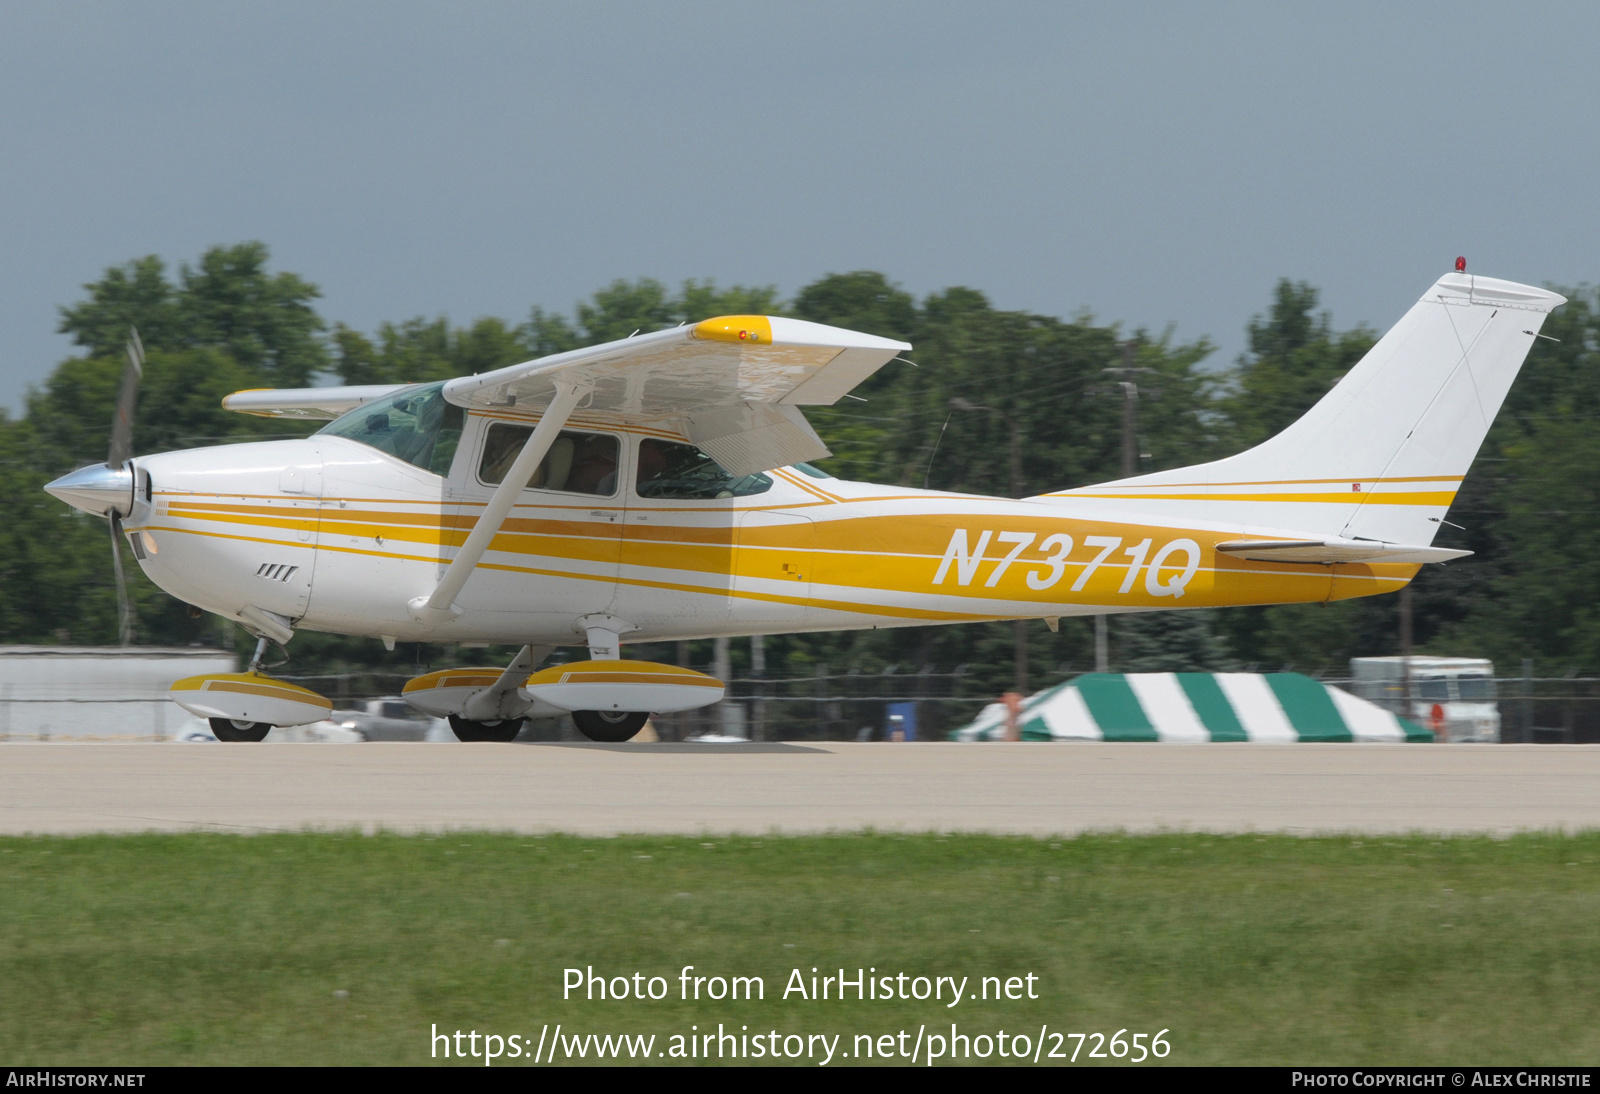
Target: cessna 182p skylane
{"x":655,"y":488}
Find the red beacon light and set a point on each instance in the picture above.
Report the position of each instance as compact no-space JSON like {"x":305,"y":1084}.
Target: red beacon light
{"x":1461,"y":264}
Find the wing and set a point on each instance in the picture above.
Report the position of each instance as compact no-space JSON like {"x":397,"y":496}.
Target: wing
{"x":1330,"y":551}
{"x":319,"y":403}
{"x":732,"y":385}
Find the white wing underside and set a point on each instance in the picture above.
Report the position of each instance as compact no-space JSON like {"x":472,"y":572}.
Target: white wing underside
{"x":734,"y":398}
{"x":731,"y":385}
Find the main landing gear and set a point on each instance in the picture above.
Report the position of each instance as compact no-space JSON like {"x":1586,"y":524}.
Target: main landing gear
{"x":504,"y":731}
{"x":231,"y":729}
{"x":609,"y":726}
{"x":607,"y":696}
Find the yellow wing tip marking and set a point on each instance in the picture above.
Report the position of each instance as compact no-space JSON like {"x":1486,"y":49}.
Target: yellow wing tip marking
{"x":750,"y":329}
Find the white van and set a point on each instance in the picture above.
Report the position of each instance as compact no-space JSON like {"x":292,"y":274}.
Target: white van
{"x":1453,"y":696}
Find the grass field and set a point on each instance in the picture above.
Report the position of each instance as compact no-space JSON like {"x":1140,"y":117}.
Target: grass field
{"x":222,"y":949}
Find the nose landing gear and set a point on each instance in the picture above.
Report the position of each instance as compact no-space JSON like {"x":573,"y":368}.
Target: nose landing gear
{"x":244,"y":706}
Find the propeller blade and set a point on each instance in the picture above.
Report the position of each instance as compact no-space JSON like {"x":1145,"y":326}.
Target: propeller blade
{"x":127,"y":396}
{"x":124,"y":607}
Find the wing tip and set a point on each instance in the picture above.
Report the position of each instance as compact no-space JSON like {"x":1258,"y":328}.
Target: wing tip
{"x":784,"y":331}
{"x":753,"y":330}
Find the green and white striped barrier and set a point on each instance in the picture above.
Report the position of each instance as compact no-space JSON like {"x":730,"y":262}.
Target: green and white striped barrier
{"x":1277,"y":707}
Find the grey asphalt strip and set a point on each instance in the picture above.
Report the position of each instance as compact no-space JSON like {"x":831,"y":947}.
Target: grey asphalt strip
{"x":1034,"y":789}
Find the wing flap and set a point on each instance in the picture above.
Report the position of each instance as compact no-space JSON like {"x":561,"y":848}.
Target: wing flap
{"x":1327,"y":552}
{"x":828,"y":385}
{"x":755,"y":437}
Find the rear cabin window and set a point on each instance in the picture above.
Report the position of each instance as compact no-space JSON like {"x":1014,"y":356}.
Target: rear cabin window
{"x":671,"y":470}
{"x":578,"y":463}
{"x":416,"y":425}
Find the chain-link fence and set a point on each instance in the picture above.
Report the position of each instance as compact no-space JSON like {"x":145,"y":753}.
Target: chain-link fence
{"x":822,"y":706}
{"x":924,"y":705}
{"x":928,"y":704}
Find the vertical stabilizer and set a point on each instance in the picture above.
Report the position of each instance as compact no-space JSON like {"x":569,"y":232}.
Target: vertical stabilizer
{"x":1382,"y":455}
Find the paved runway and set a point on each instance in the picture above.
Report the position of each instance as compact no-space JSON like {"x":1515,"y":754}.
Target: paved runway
{"x":1038,"y":789}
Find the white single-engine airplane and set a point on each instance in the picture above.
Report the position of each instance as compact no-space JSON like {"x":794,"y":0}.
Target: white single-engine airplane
{"x":655,"y":488}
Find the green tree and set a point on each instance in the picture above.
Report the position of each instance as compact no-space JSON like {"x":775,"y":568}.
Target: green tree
{"x":1531,"y":509}
{"x":1185,"y":641}
{"x":226,"y":324}
{"x":265,"y":322}
{"x":136,"y":294}
{"x":420,"y":350}
{"x":1295,"y":358}
{"x":863,"y":301}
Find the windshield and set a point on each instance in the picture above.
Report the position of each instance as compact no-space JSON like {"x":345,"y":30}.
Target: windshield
{"x":415,"y":424}
{"x":1476,"y":689}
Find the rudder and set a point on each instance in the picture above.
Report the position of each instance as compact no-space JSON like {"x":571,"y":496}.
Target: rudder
{"x":1381,"y":456}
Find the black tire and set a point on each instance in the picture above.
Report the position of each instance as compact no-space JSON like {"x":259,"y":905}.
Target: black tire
{"x":227,"y":729}
{"x":609,"y":726}
{"x":503,"y":731}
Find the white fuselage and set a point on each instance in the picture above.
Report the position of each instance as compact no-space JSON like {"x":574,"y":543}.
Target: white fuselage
{"x":330,"y":534}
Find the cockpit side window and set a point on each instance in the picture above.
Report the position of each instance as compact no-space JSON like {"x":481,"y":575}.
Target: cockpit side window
{"x":671,"y":470}
{"x":578,"y":463}
{"x":416,"y":425}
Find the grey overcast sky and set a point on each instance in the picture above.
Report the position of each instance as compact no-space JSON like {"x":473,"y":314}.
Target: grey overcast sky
{"x":1152,"y":163}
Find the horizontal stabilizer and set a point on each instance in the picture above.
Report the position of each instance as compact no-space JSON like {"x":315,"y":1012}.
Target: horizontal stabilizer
{"x":1327,"y":552}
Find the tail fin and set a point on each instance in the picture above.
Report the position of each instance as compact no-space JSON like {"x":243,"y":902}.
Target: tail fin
{"x":1382,"y":455}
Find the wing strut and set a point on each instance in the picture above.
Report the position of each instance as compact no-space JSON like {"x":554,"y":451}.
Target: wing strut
{"x":440,"y":607}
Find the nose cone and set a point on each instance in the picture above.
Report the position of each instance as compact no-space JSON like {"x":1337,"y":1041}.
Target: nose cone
{"x":98,"y":489}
